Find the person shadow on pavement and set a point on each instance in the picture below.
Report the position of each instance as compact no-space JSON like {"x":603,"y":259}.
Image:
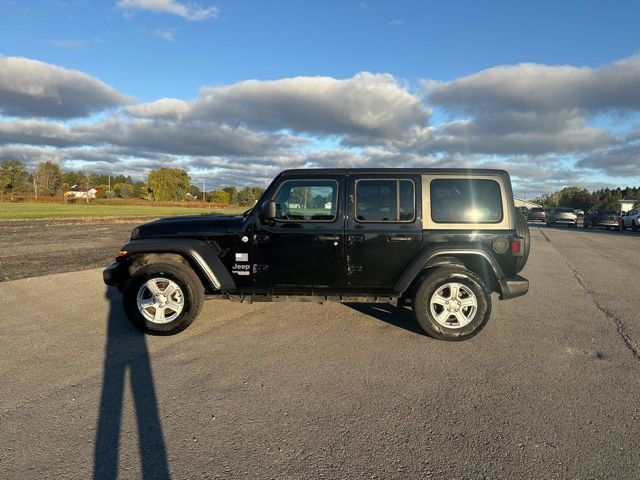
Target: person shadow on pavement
{"x":126,"y":349}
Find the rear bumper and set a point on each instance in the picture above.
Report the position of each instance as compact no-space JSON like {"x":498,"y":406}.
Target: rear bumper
{"x":114,"y":275}
{"x":513,"y":287}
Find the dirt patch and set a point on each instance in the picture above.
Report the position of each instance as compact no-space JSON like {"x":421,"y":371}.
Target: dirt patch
{"x":34,"y":248}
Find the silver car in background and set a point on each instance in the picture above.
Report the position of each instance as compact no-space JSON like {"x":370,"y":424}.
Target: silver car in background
{"x":562,"y":216}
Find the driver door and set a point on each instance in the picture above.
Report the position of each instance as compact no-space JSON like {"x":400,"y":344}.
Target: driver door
{"x":303,"y":249}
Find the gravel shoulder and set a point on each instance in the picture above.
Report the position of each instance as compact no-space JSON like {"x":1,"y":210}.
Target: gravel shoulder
{"x":32,"y":248}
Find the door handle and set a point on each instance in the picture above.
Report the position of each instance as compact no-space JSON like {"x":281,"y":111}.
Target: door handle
{"x":329,"y":238}
{"x":400,"y":238}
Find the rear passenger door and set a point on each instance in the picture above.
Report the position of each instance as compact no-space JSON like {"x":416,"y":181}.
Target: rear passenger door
{"x":383,"y":230}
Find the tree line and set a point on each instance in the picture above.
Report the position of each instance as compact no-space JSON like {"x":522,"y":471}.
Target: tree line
{"x":163,"y":184}
{"x":581,"y":198}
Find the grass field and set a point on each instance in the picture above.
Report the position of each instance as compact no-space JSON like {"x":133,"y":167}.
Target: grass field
{"x":18,"y":211}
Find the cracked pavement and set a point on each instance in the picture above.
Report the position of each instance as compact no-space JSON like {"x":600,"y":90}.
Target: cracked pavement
{"x":550,"y":388}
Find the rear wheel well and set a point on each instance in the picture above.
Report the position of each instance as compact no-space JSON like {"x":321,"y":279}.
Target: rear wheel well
{"x":139,"y":260}
{"x":474,"y":263}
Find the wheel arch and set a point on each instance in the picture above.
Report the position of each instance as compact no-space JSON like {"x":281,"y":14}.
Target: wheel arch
{"x":475,"y":260}
{"x":199,"y":255}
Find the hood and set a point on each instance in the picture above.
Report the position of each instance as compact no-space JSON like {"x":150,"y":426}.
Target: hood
{"x":190,"y":226}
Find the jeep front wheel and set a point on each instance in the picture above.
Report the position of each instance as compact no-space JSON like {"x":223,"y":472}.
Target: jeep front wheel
{"x":452,"y":304}
{"x":163,"y":298}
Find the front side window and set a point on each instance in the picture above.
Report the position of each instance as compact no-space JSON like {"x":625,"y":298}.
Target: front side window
{"x":466,"y":201}
{"x":307,"y":200}
{"x":385,"y":201}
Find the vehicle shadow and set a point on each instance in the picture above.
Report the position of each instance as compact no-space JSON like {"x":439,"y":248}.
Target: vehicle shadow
{"x":126,"y":350}
{"x":401,"y":317}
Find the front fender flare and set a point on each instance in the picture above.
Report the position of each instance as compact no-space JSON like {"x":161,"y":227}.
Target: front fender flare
{"x":200,"y":255}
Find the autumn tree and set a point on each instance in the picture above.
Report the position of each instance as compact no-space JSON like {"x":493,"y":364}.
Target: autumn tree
{"x":16,"y":177}
{"x":219,"y":196}
{"x":48,"y":178}
{"x":168,"y":184}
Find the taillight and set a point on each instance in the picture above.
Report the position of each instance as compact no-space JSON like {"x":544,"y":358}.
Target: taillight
{"x":517,"y":246}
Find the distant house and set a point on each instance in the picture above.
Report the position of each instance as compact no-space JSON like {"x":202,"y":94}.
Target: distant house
{"x":86,"y":194}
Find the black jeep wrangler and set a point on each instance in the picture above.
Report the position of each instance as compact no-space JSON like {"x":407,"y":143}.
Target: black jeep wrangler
{"x":439,"y":240}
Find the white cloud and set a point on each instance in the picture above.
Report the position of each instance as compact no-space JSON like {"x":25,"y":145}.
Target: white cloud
{"x":189,"y":11}
{"x":164,"y":34}
{"x":162,"y":108}
{"x":538,"y":88}
{"x":366,"y":108}
{"x":38,"y":89}
{"x":549,"y":126}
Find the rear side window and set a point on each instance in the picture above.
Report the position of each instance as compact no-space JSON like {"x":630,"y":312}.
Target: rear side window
{"x":463,"y":200}
{"x":385,"y":201}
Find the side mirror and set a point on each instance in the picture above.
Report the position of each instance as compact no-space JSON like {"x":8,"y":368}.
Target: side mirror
{"x":268,"y":211}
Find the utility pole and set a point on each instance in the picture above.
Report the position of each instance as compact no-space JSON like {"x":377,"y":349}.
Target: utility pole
{"x":35,"y":185}
{"x":109,"y":182}
{"x":204,"y":188}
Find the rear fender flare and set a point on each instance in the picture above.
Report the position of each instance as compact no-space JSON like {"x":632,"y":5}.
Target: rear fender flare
{"x":201,"y":256}
{"x":439,"y":256}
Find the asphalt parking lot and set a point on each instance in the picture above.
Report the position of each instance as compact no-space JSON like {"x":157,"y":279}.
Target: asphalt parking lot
{"x":550,"y":389}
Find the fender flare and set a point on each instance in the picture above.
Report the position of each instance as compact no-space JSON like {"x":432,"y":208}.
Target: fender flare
{"x":200,"y":255}
{"x":445,"y":255}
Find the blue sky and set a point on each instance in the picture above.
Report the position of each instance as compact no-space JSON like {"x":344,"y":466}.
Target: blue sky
{"x":146,"y":50}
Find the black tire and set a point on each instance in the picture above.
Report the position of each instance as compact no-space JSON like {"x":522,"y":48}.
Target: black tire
{"x":623,"y":227}
{"x":432,"y":282}
{"x":608,"y":228}
{"x":188,"y":282}
{"x":634,"y":227}
{"x":522,"y":231}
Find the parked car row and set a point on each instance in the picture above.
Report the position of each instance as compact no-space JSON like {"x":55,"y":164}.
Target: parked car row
{"x":594,"y":218}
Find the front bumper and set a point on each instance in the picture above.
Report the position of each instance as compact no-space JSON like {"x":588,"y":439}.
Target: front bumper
{"x":114,"y":275}
{"x":513,"y":287}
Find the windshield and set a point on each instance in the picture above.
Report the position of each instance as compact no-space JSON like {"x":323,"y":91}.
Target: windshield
{"x":565,"y":210}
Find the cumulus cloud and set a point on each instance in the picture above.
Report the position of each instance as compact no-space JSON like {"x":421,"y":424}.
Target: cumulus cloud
{"x":188,"y":11}
{"x":29,"y":88}
{"x":366,"y":107}
{"x":533,"y":108}
{"x":544,"y":124}
{"x":162,"y":108}
{"x":533,"y":87}
{"x":622,"y":161}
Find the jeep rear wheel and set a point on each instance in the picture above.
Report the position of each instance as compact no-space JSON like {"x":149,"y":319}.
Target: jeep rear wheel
{"x":452,"y":304}
{"x":163,"y":298}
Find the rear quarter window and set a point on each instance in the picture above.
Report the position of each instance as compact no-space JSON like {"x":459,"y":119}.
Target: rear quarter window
{"x":461,"y":200}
